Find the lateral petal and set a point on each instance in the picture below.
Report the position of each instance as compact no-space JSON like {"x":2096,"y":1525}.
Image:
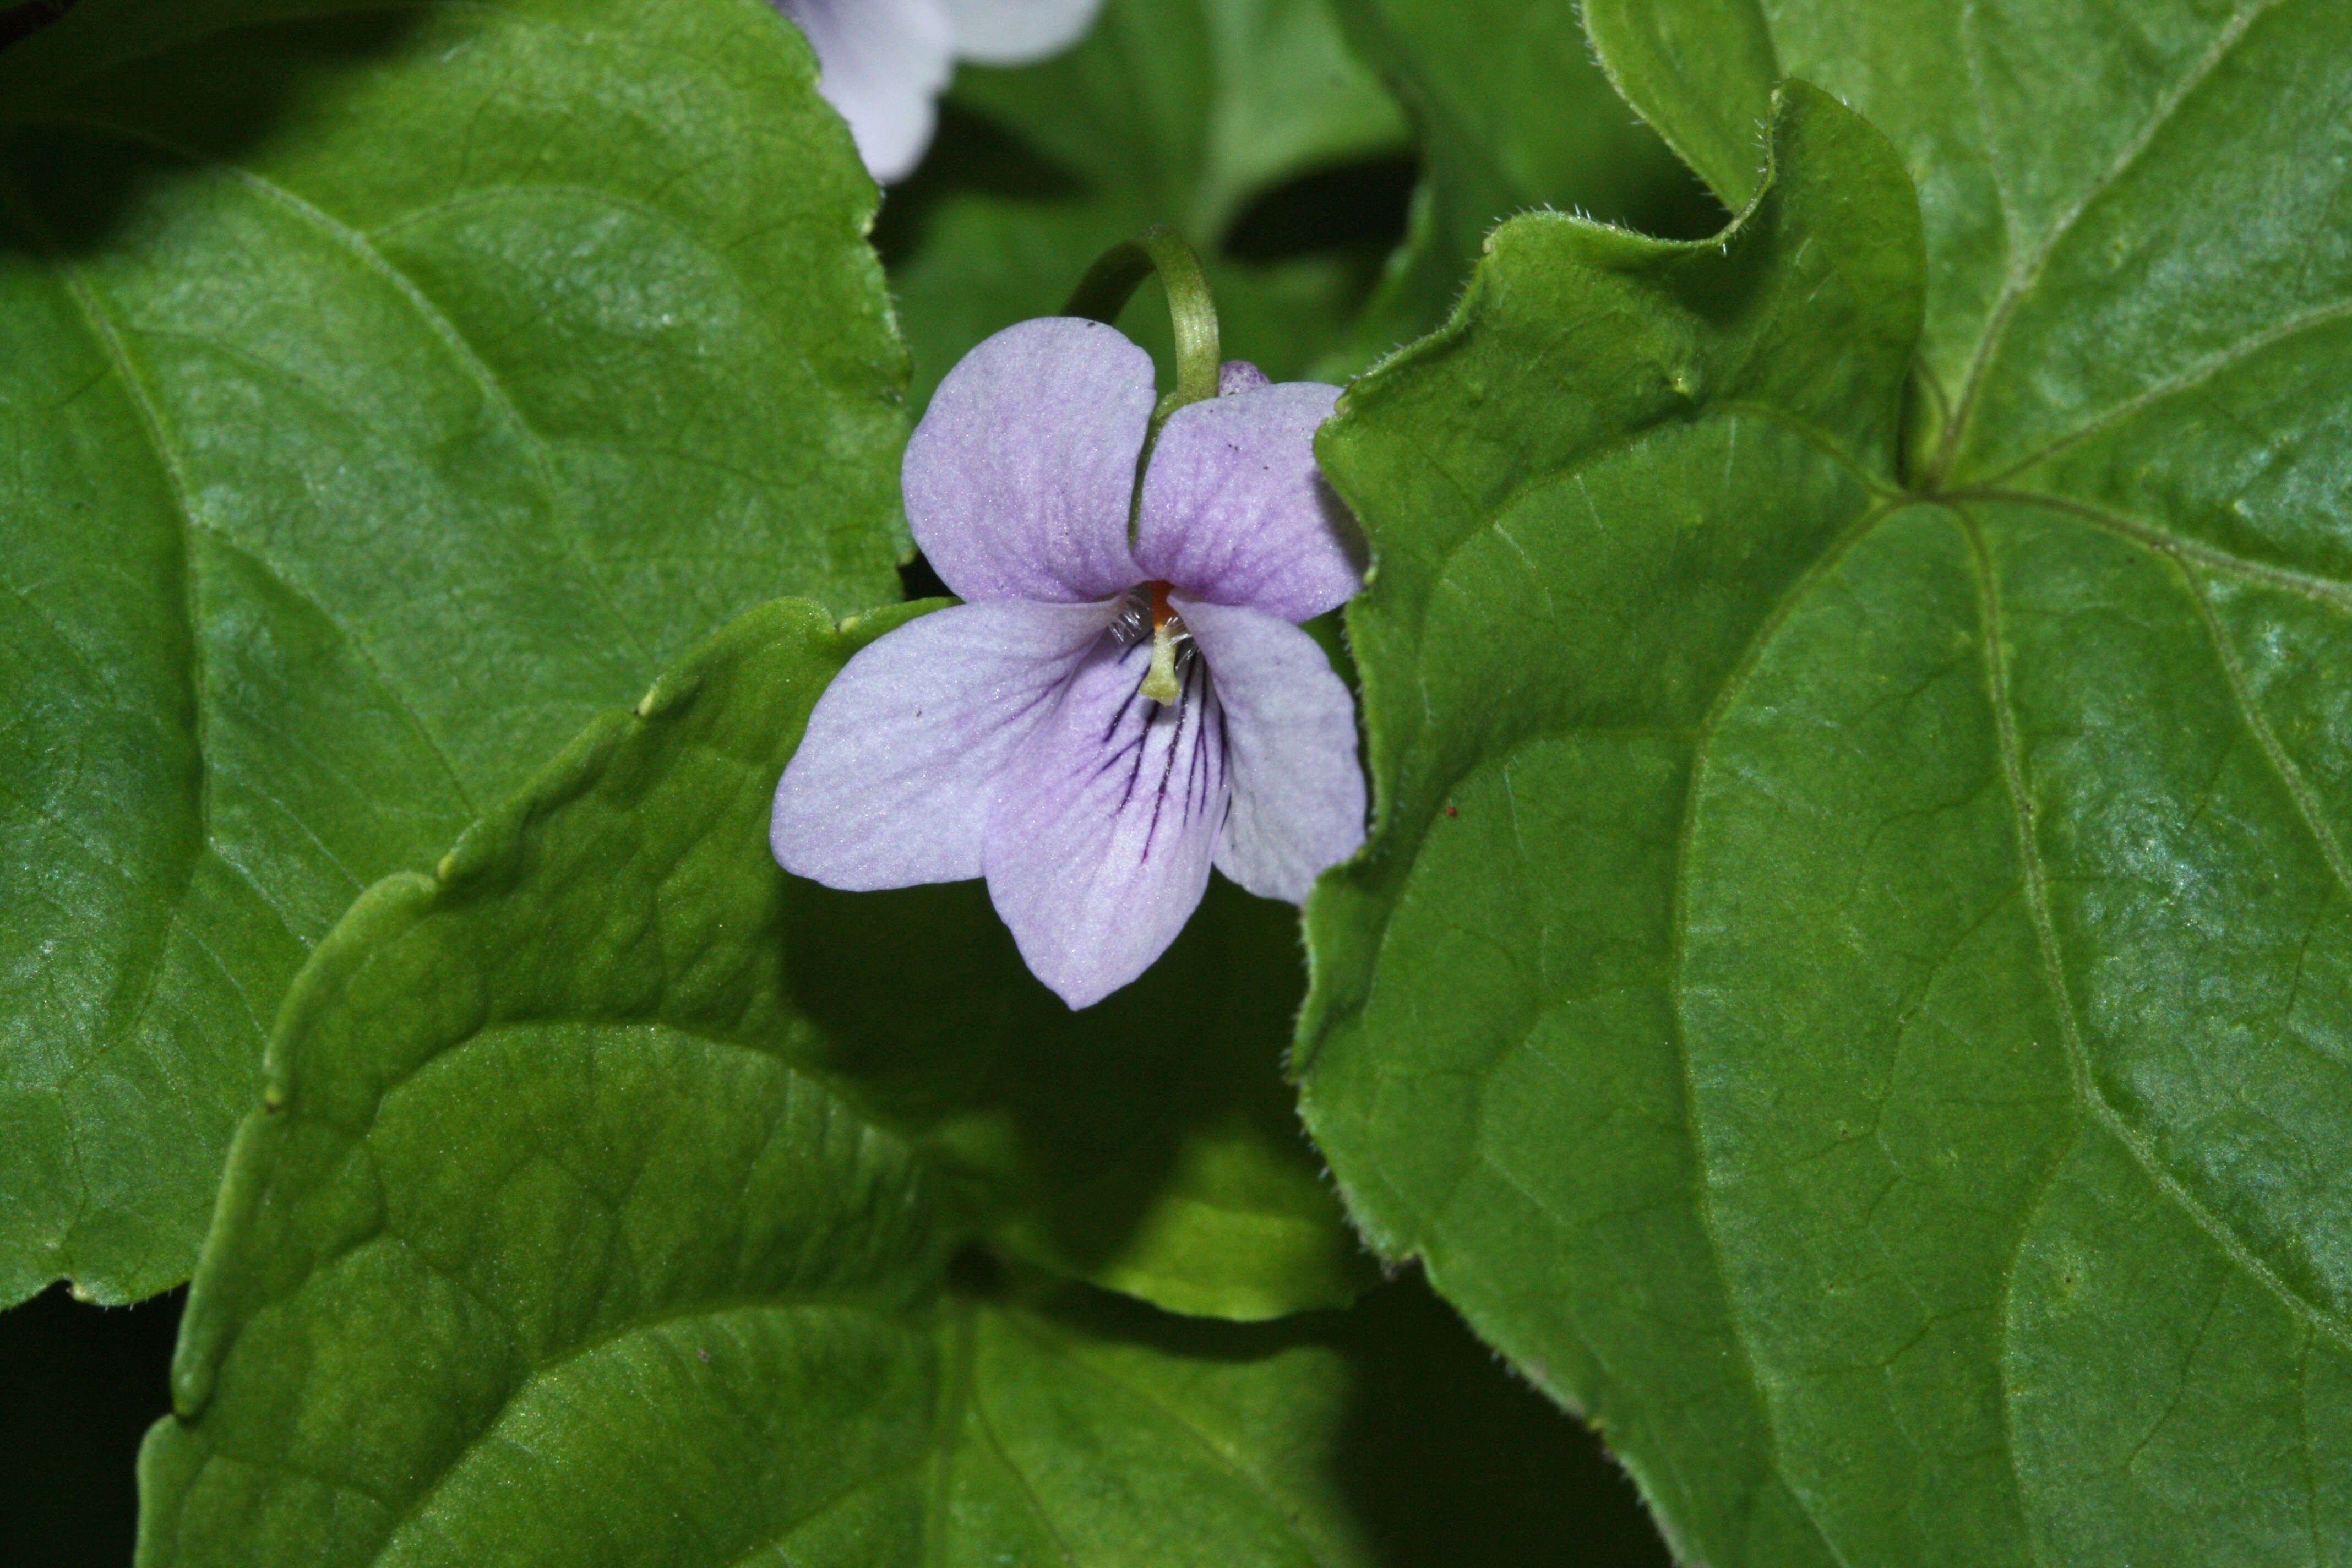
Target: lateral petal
{"x":1290,"y":728}
{"x":1234,"y":510}
{"x":905,"y":753}
{"x":1018,"y":479}
{"x":1100,"y":845}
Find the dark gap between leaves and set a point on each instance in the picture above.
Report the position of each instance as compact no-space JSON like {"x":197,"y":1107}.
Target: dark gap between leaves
{"x":1446,"y":1459}
{"x":22,"y":21}
{"x":1681,"y":208}
{"x":79,"y":1385}
{"x":918,"y":581}
{"x":1362,"y":207}
{"x":87,"y":183}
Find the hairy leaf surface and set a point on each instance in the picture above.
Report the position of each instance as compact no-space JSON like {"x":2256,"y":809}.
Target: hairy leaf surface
{"x":1513,"y":114}
{"x":388,"y":389}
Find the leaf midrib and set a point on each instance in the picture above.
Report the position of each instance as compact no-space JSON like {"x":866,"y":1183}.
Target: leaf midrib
{"x":1258,"y":1484}
{"x":2090,"y":1101}
{"x":2026,"y":268}
{"x":2089,"y":1097}
{"x":536,"y":1372}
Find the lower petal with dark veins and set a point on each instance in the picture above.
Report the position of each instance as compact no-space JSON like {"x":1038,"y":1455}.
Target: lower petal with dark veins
{"x":1100,"y":844}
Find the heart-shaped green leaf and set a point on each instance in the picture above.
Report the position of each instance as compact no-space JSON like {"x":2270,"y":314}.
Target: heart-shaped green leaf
{"x":562,"y":1237}
{"x":1587,"y":497}
{"x":1848,"y":982}
{"x":388,"y":389}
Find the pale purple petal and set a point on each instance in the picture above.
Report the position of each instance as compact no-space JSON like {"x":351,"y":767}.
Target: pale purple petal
{"x":882,"y":63}
{"x":1100,"y":845}
{"x":1240,"y":375}
{"x":906,"y":752}
{"x":1291,"y":733}
{"x":1235,"y":511}
{"x":1018,"y":479}
{"x":1014,"y":32}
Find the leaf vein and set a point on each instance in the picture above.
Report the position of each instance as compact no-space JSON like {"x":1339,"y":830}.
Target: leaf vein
{"x":2196,"y":375}
{"x":2320,"y":590}
{"x":2298,"y":788}
{"x":539,"y":1371}
{"x":2087,"y":1091}
{"x":1207,"y":1444}
{"x":2026,"y":270}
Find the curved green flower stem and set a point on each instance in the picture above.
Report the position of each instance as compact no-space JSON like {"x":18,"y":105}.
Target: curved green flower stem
{"x":1108,"y":283}
{"x":1103,"y":293}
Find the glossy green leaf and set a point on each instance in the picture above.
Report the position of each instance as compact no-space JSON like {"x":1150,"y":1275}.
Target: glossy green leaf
{"x":1848,"y":983}
{"x":2117,"y":199}
{"x":388,"y":389}
{"x":1513,"y":114}
{"x":559,"y":1239}
{"x":1175,"y":111}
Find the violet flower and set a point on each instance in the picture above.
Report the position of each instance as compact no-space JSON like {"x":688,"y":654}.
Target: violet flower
{"x":1099,"y":723}
{"x":883,"y":63}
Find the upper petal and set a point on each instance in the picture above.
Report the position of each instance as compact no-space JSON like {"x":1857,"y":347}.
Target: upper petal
{"x":894,"y":781}
{"x":1013,"y":32}
{"x":1235,"y":511}
{"x":1018,"y":479}
{"x":882,"y":63}
{"x":1290,"y":734}
{"x":1101,"y":841}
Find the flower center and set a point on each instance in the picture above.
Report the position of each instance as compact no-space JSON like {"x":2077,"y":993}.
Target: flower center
{"x":1168,"y":637}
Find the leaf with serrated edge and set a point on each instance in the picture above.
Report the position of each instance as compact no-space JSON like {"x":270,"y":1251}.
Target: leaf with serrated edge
{"x":550,"y":1245}
{"x":1992,"y":961}
{"x":388,"y":389}
{"x":1513,"y":114}
{"x":1584,"y":497}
